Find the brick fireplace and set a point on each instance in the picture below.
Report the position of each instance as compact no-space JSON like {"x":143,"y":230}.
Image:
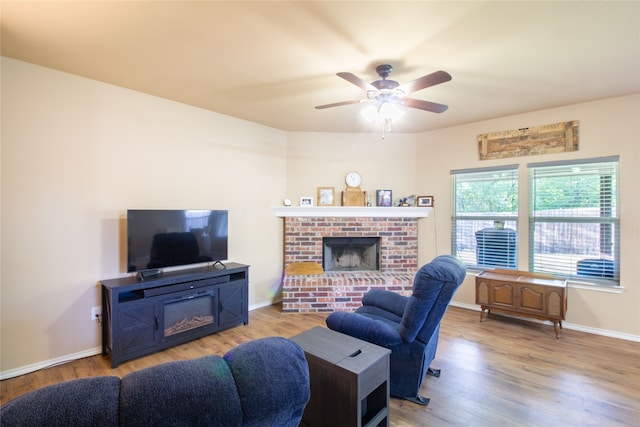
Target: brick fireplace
{"x":304,"y":230}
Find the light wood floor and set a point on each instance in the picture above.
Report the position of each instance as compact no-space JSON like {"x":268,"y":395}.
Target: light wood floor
{"x":501,"y":372}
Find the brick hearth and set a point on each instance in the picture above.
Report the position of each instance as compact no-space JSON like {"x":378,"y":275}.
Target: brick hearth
{"x":338,"y":291}
{"x":343,"y":291}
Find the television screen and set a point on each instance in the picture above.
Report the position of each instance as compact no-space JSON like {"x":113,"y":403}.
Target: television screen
{"x":165,"y":238}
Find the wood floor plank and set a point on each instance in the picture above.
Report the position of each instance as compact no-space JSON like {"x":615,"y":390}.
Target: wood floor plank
{"x":498,"y":372}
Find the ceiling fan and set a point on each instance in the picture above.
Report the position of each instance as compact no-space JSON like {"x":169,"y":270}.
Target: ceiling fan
{"x":390,"y":91}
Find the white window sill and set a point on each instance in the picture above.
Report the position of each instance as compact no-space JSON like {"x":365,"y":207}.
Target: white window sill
{"x":596,"y":287}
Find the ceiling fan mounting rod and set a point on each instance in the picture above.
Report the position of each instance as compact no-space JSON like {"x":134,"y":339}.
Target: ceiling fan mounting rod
{"x":384,"y":70}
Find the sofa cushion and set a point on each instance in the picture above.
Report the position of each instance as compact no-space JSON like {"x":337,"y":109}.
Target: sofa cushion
{"x":374,"y":329}
{"x":199,"y":392}
{"x":272,"y":377}
{"x":81,"y":402}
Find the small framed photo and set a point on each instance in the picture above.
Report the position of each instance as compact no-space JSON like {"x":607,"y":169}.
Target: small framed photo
{"x":383,"y":198}
{"x":424,"y":201}
{"x":326,"y":196}
{"x":306,"y":201}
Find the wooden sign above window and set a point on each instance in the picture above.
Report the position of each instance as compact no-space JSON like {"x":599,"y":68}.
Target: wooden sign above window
{"x":547,"y":139}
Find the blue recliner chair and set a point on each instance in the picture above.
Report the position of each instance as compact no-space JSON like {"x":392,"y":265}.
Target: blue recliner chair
{"x":408,"y":326}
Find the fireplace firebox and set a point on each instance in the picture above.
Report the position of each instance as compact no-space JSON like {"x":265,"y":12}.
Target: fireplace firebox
{"x":189,"y":312}
{"x":351,"y":253}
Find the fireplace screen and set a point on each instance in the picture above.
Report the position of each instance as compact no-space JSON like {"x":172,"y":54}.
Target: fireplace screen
{"x":351,"y":253}
{"x":188,"y":313}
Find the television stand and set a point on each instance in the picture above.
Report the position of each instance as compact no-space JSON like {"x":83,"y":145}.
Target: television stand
{"x":143,"y":317}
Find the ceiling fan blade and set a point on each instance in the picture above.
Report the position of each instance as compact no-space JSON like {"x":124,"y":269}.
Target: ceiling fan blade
{"x":352,"y":78}
{"x":337,"y":104}
{"x":424,"y":105}
{"x":425,"y":81}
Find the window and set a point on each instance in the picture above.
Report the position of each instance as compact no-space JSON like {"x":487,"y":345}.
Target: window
{"x":485,"y":216}
{"x":574,"y":224}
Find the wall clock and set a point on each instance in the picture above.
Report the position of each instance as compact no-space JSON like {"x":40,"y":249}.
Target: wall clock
{"x":353,"y":195}
{"x":353,"y":180}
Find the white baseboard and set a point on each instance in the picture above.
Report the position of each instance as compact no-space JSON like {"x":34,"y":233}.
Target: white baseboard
{"x":572,"y":326}
{"x":264,"y":304}
{"x":11,"y":373}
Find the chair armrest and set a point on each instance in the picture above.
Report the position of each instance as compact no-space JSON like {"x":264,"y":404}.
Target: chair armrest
{"x":364,"y":328}
{"x":386,"y":300}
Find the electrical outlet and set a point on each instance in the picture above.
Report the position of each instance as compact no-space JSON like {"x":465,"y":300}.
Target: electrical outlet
{"x":96,"y":313}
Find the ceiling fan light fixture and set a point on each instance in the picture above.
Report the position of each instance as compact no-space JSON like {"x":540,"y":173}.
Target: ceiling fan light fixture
{"x":382,"y":113}
{"x":372,"y":94}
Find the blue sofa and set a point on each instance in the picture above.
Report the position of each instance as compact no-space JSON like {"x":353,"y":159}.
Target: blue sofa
{"x":260,"y":383}
{"x":408,"y":326}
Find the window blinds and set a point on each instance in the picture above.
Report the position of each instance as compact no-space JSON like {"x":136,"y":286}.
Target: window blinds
{"x":574,"y":226}
{"x":485,"y":216}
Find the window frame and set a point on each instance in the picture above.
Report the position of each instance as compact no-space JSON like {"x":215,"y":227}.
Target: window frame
{"x":510,"y":220}
{"x":609,"y":199}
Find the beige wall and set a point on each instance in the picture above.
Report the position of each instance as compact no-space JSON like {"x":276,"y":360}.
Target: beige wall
{"x":77,"y":153}
{"x":323,"y":160}
{"x":607,"y":127}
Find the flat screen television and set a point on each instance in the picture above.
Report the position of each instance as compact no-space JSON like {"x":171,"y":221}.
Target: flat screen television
{"x":168,"y":238}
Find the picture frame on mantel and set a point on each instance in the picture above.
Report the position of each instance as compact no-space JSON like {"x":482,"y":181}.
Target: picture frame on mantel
{"x":306,"y":201}
{"x":326,"y":196}
{"x":424,"y":201}
{"x":384,"y":198}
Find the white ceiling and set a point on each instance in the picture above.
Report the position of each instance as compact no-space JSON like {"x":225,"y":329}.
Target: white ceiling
{"x":272,"y":62}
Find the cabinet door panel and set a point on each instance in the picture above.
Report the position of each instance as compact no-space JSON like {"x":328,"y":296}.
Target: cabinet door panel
{"x":532,"y":299}
{"x":137,"y":327}
{"x":232,"y":308}
{"x":482,"y":293}
{"x":502,"y":295}
{"x":555,"y":304}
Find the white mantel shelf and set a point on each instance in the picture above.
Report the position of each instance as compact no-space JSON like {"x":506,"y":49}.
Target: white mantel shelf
{"x":351,"y":211}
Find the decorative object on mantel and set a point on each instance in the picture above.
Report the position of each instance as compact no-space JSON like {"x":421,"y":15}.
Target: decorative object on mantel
{"x":425,"y":201}
{"x":350,"y":212}
{"x":383,"y":197}
{"x":547,"y":139}
{"x":286,"y":202}
{"x":407,"y":201}
{"x":325,"y":196}
{"x":306,"y":201}
{"x":353,"y":194}
{"x":303,"y":268}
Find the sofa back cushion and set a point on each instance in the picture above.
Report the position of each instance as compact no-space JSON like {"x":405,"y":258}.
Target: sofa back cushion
{"x":83,"y":402}
{"x":183,"y":393}
{"x":433,"y":287}
{"x":272,"y":377}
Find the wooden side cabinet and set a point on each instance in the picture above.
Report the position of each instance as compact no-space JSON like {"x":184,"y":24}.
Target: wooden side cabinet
{"x":522,"y":293}
{"x":349,"y":380}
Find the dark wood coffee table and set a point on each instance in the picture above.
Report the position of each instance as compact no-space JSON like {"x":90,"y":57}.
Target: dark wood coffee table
{"x":349,"y":380}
